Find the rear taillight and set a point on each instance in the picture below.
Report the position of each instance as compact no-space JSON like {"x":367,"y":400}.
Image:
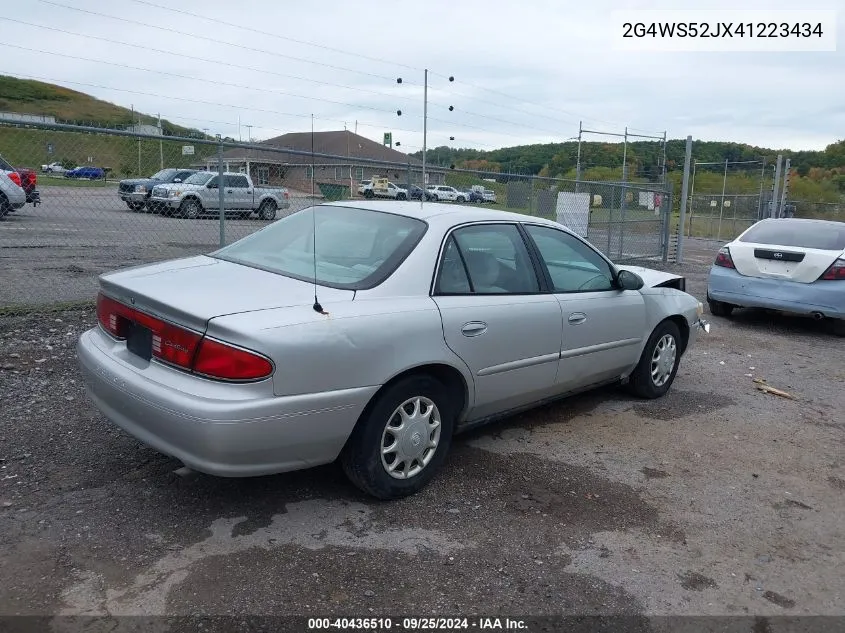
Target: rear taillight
{"x":836,"y":271}
{"x":218,"y":360}
{"x":287,"y":195}
{"x":15,"y":177}
{"x":183,"y":348}
{"x":723,"y":258}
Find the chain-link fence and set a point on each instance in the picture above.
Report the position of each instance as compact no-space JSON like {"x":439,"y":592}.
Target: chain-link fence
{"x":104,"y":199}
{"x":723,"y":217}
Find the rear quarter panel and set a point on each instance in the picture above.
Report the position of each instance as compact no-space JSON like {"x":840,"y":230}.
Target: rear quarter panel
{"x":361,"y":343}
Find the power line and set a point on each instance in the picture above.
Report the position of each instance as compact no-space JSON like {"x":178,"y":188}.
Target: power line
{"x":197,"y":101}
{"x":211,"y":81}
{"x":274,"y":35}
{"x":146,"y":48}
{"x":328,"y":48}
{"x":210,"y":61}
{"x":181,"y":33}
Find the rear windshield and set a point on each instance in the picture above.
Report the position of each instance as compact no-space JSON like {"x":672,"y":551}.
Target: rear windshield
{"x":356,"y":248}
{"x":798,"y":233}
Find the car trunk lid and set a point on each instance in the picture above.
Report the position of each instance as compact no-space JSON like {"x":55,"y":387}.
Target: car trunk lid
{"x":191,"y":291}
{"x":773,"y":261}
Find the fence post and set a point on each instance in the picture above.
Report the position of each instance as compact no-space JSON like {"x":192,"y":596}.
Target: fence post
{"x":220,"y":185}
{"x":666,"y":198}
{"x":684,"y":191}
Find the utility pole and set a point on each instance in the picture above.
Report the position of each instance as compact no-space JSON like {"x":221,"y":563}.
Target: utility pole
{"x":773,"y":210}
{"x":578,"y":159}
{"x":722,"y":204}
{"x":684,"y":190}
{"x":160,"y":142}
{"x":785,"y":189}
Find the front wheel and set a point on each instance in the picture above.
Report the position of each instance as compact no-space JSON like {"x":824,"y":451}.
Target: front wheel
{"x":5,"y":207}
{"x":401,"y":439}
{"x":135,"y":206}
{"x":401,"y":196}
{"x":461,"y":199}
{"x":658,"y":364}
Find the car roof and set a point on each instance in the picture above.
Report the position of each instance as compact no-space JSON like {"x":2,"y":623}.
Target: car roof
{"x":456,"y":213}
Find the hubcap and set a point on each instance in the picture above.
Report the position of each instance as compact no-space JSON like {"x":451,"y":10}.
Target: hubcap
{"x":663,"y":360}
{"x":410,"y":438}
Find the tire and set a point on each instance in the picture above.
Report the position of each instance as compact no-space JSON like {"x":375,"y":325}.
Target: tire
{"x":401,"y":196}
{"x":643,"y":382}
{"x":837,"y":326}
{"x":461,"y":200}
{"x":434,"y":198}
{"x":369,"y":193}
{"x":135,"y":206}
{"x":190,"y":208}
{"x":719,"y":308}
{"x":267,"y":210}
{"x":5,"y":207}
{"x":362,"y":458}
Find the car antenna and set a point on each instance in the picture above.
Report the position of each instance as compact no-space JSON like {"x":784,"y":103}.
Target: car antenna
{"x":317,"y":307}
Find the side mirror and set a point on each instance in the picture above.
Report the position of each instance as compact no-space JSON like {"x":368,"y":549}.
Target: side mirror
{"x":212,"y":185}
{"x":629,"y":281}
{"x":177,"y":180}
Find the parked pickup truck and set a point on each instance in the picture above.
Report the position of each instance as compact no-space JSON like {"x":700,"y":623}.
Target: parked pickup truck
{"x":199,"y":195}
{"x":135,"y":192}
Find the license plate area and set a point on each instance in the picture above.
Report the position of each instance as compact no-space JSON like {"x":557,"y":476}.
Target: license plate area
{"x":778,"y":256}
{"x":139,"y":341}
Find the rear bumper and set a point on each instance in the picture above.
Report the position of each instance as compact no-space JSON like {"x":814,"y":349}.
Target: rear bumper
{"x":220,"y":429}
{"x":728,"y":286}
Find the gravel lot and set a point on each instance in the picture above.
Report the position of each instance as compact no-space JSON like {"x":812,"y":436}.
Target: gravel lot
{"x":54,"y":252}
{"x":716,"y":500}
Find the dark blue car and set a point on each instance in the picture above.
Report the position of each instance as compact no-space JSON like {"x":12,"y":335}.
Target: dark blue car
{"x":91,"y":173}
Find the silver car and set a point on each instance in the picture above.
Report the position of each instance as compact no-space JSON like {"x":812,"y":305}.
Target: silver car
{"x":372,"y":332}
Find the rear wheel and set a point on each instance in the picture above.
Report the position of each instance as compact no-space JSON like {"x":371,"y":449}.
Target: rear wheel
{"x":461,"y":199}
{"x":401,"y":439}
{"x":719,"y":308}
{"x":401,"y":196}
{"x":658,"y":365}
{"x":368,"y":193}
{"x":190,"y":209}
{"x":267,"y":210}
{"x":5,"y":207}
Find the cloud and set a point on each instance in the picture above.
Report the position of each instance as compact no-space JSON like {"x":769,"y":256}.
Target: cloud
{"x":524,"y":73}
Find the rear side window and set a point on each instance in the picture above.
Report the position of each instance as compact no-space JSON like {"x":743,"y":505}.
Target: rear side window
{"x":798,"y":233}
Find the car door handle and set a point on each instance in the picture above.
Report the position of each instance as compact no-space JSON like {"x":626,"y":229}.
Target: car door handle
{"x":577,"y":318}
{"x":228,"y":191}
{"x":474,"y":328}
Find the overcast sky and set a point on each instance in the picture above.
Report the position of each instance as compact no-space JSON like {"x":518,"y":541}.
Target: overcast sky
{"x":525,"y":72}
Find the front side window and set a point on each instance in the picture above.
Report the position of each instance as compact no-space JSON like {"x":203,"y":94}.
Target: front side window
{"x":573,"y":266}
{"x":355,"y":248}
{"x":494,"y":260}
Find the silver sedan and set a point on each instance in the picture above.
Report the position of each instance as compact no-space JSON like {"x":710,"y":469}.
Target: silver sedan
{"x":372,"y":332}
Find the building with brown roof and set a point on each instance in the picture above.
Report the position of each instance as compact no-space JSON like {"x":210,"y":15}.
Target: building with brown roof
{"x":341,"y":159}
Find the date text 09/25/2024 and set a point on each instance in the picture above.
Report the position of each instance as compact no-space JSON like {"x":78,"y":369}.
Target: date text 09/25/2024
{"x":417,"y":624}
